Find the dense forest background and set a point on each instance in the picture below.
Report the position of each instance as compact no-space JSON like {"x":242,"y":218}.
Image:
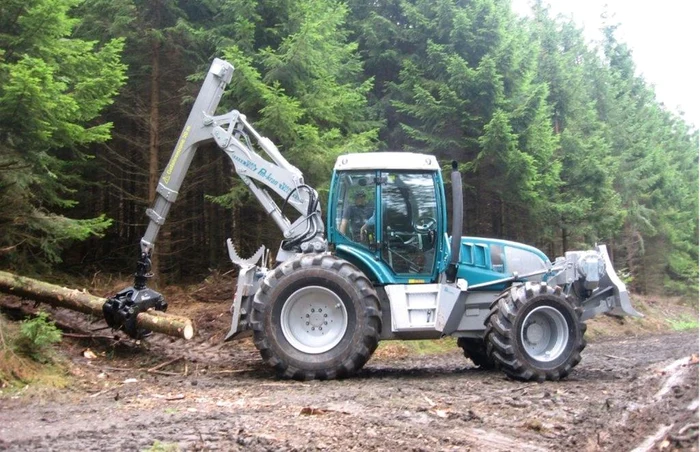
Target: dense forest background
{"x":561,"y":144}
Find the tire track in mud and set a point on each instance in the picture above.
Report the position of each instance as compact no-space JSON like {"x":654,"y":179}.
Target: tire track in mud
{"x":623,"y":391}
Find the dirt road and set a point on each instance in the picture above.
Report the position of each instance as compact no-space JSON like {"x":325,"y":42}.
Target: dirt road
{"x":625,"y":394}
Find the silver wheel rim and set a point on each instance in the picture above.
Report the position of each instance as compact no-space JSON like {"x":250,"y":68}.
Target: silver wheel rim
{"x":314,"y":319}
{"x":544,"y":334}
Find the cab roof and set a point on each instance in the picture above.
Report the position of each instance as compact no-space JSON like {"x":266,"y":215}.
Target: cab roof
{"x":386,"y":160}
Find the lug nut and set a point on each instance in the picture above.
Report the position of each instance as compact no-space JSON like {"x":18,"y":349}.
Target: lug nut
{"x":325,"y":315}
{"x":312,"y":310}
{"x":307,"y":323}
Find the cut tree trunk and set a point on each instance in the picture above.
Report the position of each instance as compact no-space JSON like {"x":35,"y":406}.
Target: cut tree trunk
{"x":76,"y":300}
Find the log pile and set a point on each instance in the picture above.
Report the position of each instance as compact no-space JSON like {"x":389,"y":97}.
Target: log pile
{"x":76,"y":300}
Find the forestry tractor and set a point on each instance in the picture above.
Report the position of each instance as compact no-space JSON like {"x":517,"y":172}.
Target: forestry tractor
{"x":391,"y":272}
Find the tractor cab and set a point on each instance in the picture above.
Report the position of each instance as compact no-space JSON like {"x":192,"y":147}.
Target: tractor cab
{"x":386,"y":215}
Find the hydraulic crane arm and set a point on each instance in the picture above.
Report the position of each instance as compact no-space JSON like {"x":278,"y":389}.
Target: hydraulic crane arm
{"x":232,"y":133}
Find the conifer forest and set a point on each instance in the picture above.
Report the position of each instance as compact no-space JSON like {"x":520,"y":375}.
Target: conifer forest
{"x":560,"y":142}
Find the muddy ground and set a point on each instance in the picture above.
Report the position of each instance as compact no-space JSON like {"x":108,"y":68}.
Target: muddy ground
{"x":633,"y":392}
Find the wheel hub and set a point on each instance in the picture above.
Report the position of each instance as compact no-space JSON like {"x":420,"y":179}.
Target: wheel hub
{"x":314,"y":319}
{"x":544,"y":333}
{"x":534,"y":333}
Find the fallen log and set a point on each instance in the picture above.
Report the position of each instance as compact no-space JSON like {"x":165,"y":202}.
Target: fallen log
{"x":76,"y":300}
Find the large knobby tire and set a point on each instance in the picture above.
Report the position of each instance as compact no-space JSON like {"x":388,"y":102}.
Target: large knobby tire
{"x":475,"y":349}
{"x":534,"y":332}
{"x":316,"y":317}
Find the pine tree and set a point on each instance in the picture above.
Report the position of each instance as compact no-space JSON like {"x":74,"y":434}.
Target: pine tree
{"x":656,"y":178}
{"x":298,"y":79}
{"x":53,"y":88}
{"x":463,"y":88}
{"x":587,"y":207}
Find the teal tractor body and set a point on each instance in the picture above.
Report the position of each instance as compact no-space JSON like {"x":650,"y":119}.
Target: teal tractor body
{"x":515,"y":309}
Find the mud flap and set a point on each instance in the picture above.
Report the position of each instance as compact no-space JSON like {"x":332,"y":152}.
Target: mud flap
{"x":451,"y":306}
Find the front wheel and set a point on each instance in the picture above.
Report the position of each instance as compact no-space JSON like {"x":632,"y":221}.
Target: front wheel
{"x":533,"y":332}
{"x":316,"y":317}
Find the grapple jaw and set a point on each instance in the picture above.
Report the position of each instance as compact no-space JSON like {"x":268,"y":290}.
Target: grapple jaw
{"x":121,"y":310}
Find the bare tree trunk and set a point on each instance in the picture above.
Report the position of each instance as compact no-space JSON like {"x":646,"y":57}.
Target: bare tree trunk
{"x":564,"y":241}
{"x":154,"y":138}
{"x":76,"y":300}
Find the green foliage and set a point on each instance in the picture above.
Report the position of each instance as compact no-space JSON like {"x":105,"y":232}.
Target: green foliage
{"x":18,"y":371}
{"x":587,"y":208}
{"x":464,"y":88}
{"x":162,"y":447}
{"x":35,"y":337}
{"x":299,"y":80}
{"x":561,"y":144}
{"x":52,"y":90}
{"x":684,"y":323}
{"x":656,"y":179}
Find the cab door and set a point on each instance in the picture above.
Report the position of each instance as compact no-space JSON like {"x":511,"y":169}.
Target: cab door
{"x":407,"y":228}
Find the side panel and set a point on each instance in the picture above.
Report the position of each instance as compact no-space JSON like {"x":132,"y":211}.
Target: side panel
{"x":429,"y":307}
{"x":477,"y":309}
{"x":430,"y":311}
{"x":413,"y":307}
{"x":485,"y":260}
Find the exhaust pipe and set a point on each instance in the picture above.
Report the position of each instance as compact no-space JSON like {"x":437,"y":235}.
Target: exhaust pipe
{"x":457,"y":219}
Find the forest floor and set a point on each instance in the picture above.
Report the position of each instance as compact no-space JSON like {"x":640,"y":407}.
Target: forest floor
{"x":635,"y":389}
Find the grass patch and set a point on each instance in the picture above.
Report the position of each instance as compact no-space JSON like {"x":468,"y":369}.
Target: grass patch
{"x":27,"y":357}
{"x":683,"y":323}
{"x":661,"y":315}
{"x":162,"y":447}
{"x":403,"y":349}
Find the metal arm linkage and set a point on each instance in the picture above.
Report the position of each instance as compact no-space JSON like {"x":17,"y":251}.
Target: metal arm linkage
{"x":231,"y":132}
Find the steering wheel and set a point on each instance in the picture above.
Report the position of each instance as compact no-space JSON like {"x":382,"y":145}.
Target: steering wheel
{"x":425,"y":224}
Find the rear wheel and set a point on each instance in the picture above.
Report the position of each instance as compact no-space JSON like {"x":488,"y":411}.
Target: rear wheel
{"x":534,"y":333}
{"x":475,"y":349}
{"x":316,"y":317}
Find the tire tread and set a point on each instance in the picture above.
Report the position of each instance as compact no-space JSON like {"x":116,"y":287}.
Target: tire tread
{"x":370,"y":329}
{"x":500,"y":334}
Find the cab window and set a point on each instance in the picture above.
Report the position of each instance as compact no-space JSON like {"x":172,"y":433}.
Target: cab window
{"x":355,"y":206}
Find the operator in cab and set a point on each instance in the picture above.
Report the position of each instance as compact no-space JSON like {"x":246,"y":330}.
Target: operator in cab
{"x":355,"y":215}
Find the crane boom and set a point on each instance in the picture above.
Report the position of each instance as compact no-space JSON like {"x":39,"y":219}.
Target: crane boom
{"x":232,"y":133}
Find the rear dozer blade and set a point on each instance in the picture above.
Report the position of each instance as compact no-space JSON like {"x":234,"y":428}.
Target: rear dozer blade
{"x":621,"y":303}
